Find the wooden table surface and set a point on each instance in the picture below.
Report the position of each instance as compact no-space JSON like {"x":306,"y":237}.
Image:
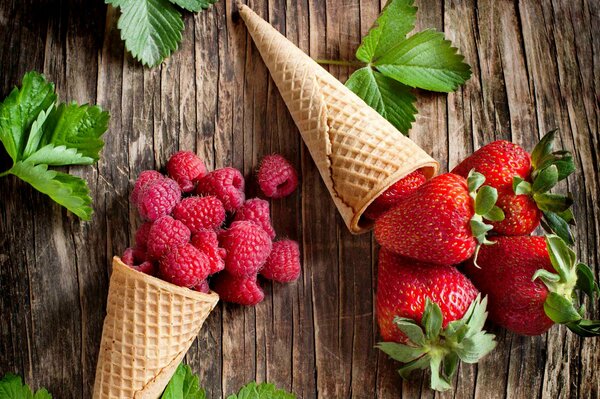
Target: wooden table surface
{"x":536,"y":66}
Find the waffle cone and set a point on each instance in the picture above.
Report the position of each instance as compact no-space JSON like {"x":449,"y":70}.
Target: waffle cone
{"x":359,"y":154}
{"x":149,"y":326}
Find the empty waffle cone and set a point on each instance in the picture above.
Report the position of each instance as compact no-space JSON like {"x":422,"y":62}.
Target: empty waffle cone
{"x":149,"y":326}
{"x":359,"y":154}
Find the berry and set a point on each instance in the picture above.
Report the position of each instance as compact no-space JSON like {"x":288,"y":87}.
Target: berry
{"x":184,"y":266}
{"x":248,"y":246}
{"x":277,"y":178}
{"x":433,"y":223}
{"x":137,"y":260}
{"x":202,"y":287}
{"x":395,"y":193}
{"x":256,"y":210}
{"x":158,"y":198}
{"x":164,"y":234}
{"x":200,"y":213}
{"x":241,"y":290}
{"x":186,"y":169}
{"x":227,"y":184}
{"x":207,"y":242}
{"x":499,"y":162}
{"x":521,"y":214}
{"x":428,"y":314}
{"x":283,"y":264}
{"x":143,"y":179}
{"x":141,"y":235}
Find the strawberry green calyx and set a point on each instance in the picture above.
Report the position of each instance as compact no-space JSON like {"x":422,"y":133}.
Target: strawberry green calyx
{"x":549,"y":167}
{"x":441,"y":349}
{"x":561,"y":302}
{"x":484,"y":204}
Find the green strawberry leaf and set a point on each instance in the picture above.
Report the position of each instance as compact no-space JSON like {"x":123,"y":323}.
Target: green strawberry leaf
{"x":151,"y":29}
{"x":425,"y":60}
{"x":559,"y":309}
{"x":411,"y":329}
{"x":183,"y":385}
{"x":261,"y":391}
{"x":69,"y":191}
{"x":392,"y":100}
{"x":585,"y":328}
{"x":543,"y":149}
{"x":552,"y":202}
{"x":554,"y":223}
{"x":475,"y":180}
{"x":12,"y":387}
{"x":439,"y":382}
{"x":521,"y":187}
{"x":59,"y":155}
{"x":36,"y":133}
{"x":399,"y":352}
{"x":21,"y":109}
{"x":417,"y":364}
{"x":194,"y":5}
{"x":545,"y":179}
{"x":394,"y":23}
{"x":495,"y":214}
{"x":432,"y":319}
{"x":485,"y":200}
{"x":585,"y":280}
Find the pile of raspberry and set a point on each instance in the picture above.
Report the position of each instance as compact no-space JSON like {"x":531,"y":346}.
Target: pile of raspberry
{"x":200,"y":232}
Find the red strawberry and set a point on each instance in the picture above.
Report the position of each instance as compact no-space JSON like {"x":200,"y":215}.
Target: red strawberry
{"x":523,"y":182}
{"x":395,"y":193}
{"x":529,"y":282}
{"x":440,"y":222}
{"x":420,"y":308}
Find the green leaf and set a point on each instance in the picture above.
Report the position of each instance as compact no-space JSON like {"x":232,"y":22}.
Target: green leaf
{"x":485,"y":200}
{"x":261,"y":391}
{"x":427,"y":61}
{"x":520,"y":186}
{"x":151,"y":29}
{"x":174,"y":389}
{"x":479,"y":230}
{"x":183,"y":385}
{"x":561,"y":256}
{"x":411,"y":329}
{"x":421,"y":363}
{"x":585,"y":328}
{"x":585,"y":280}
{"x":194,"y":5}
{"x":389,"y":98}
{"x":546,"y":276}
{"x":61,"y":155}
{"x":556,"y":203}
{"x":36,"y":133}
{"x":21,"y":108}
{"x":432,"y":319}
{"x":78,"y":127}
{"x":392,"y":26}
{"x":545,"y":180}
{"x":12,"y":387}
{"x":559,"y":309}
{"x":438,"y":382}
{"x":555,"y":224}
{"x":69,"y":191}
{"x":495,"y":214}
{"x":475,"y":180}
{"x":543,"y":148}
{"x":400,"y":352}
{"x":450,"y":364}
{"x":475,"y":346}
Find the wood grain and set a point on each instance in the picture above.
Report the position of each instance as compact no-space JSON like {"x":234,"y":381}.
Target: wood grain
{"x":536,"y":66}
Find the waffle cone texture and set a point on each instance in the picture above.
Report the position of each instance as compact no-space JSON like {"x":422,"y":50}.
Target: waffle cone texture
{"x":359,"y":154}
{"x":149,"y":326}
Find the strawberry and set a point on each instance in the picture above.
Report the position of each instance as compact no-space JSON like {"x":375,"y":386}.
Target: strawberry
{"x":420,"y":310}
{"x":440,"y":222}
{"x":530,"y":283}
{"x":395,"y":193}
{"x":523,"y":182}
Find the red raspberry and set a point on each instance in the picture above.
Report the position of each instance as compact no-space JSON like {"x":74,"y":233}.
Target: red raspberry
{"x":186,"y":169}
{"x":143,"y":179}
{"x":137,"y":260}
{"x":277,"y":178}
{"x":283,"y":264}
{"x":241,"y":290}
{"x":248,"y":247}
{"x":141,"y":235}
{"x":202,"y":287}
{"x":184,"y":266}
{"x":207,"y":242}
{"x":227,"y":184}
{"x":165,"y":234}
{"x":256,"y":210}
{"x":200,"y":213}
{"x":395,"y":193}
{"x":158,"y":198}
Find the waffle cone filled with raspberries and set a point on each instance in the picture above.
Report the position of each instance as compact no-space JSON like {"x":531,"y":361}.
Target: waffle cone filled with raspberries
{"x":359,"y":154}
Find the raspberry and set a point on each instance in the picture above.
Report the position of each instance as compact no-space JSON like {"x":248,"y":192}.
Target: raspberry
{"x":136,"y":259}
{"x":141,"y":235}
{"x":256,"y":210}
{"x":184,"y":266}
{"x":241,"y":290}
{"x":186,"y":169}
{"x":277,"y":178}
{"x":158,"y":198}
{"x":207,"y":242}
{"x":200,"y":213}
{"x":395,"y":193}
{"x":143,"y":179}
{"x":202,"y":287}
{"x":248,"y":247}
{"x":165,"y":234}
{"x":283,"y":264}
{"x":227,"y":184}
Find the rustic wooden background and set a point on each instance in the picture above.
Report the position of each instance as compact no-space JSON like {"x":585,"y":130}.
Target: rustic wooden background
{"x":536,"y":66}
